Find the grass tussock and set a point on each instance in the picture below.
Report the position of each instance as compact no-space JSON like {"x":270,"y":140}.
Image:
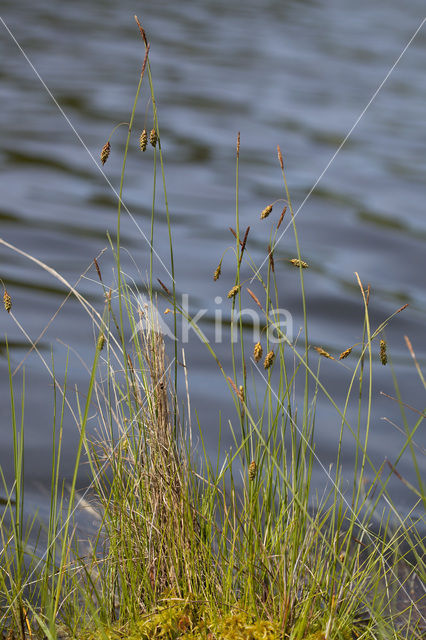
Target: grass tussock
{"x":188,"y":547}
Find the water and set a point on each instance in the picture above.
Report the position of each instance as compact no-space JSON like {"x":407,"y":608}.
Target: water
{"x":298,"y":74}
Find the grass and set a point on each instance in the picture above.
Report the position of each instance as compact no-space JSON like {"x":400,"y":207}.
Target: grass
{"x":189,"y":547}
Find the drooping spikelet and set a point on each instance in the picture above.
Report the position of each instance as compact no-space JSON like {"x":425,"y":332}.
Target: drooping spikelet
{"x":345,"y":354}
{"x":266,"y":211}
{"x":153,"y":137}
{"x":323,"y":353}
{"x":105,"y":152}
{"x":257,"y":352}
{"x":299,"y":263}
{"x":383,"y":354}
{"x":143,"y":140}
{"x":217,"y":273}
{"x":241,"y":394}
{"x":7,"y":301}
{"x":252,"y":470}
{"x":233,"y":292}
{"x":269,"y":359}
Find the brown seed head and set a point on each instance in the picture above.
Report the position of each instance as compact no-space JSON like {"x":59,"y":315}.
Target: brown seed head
{"x":281,"y":217}
{"x":142,"y":30}
{"x":234,"y":234}
{"x":7,"y":301}
{"x":239,"y":392}
{"x":130,"y":363}
{"x":217,"y":273}
{"x":143,"y":140}
{"x":105,"y":152}
{"x":383,"y":354}
{"x":269,"y":359}
{"x":255,"y":298}
{"x":323,"y":353}
{"x":345,"y":354}
{"x":266,"y":211}
{"x":257,"y":352}
{"x":280,"y":157}
{"x":299,"y":263}
{"x":243,"y":243}
{"x":163,"y":286}
{"x":153,"y":137}
{"x":252,"y":470}
{"x":401,"y":308}
{"x":271,"y":258}
{"x":233,"y":292}
{"x":95,"y":262}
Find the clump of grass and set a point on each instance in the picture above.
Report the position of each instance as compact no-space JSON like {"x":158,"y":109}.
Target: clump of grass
{"x":187,"y":548}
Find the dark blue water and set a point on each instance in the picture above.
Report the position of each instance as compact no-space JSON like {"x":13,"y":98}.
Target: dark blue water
{"x":298,"y":74}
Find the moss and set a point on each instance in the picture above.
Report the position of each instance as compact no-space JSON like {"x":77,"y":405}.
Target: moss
{"x":193,"y":620}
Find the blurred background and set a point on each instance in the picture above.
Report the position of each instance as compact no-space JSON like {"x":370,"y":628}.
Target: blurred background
{"x":295,"y":73}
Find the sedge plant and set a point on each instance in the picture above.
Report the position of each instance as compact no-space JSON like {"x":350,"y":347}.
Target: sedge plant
{"x":192,"y":547}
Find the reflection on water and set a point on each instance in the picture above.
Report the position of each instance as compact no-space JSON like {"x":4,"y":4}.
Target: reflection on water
{"x":294,"y":73}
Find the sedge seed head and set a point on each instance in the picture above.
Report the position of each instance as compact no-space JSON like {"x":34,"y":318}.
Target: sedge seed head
{"x":101,"y":342}
{"x":7,"y":301}
{"x":345,"y":354}
{"x":269,"y":359}
{"x":233,"y":292}
{"x":257,"y":352}
{"x":383,"y":354}
{"x":239,"y":391}
{"x":323,"y":353}
{"x":153,"y":137}
{"x":252,"y":470}
{"x":299,"y":263}
{"x":105,"y":152}
{"x":271,"y":258}
{"x":280,"y":157}
{"x":266,"y":211}
{"x":255,"y":298}
{"x":281,"y":217}
{"x":143,"y":140}
{"x":217,"y":273}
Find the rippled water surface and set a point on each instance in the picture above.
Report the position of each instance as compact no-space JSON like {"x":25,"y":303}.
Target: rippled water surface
{"x":302,"y":74}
